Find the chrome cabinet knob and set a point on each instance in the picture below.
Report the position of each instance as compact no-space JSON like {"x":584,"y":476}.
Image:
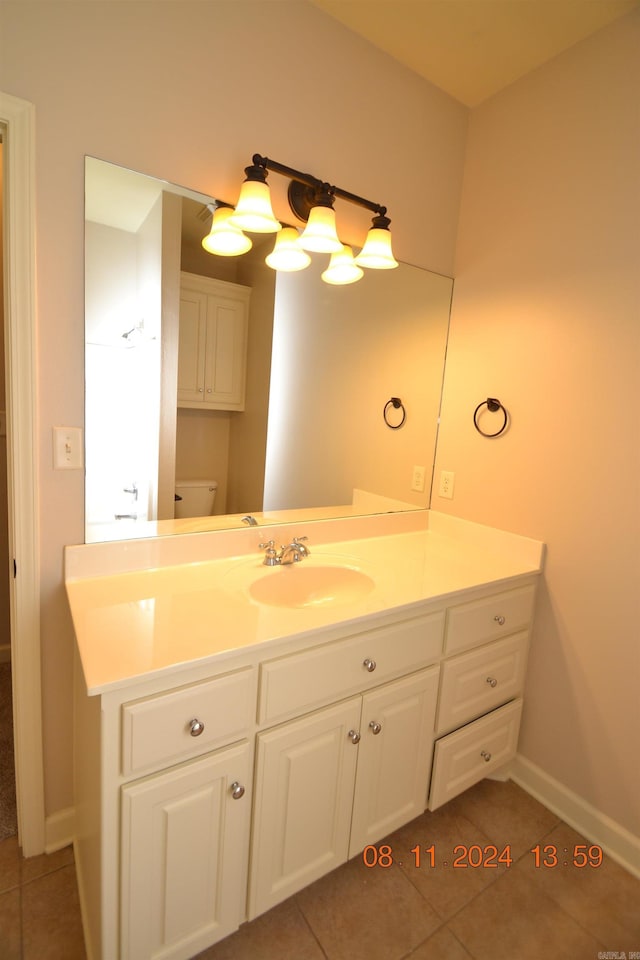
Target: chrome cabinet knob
{"x":499,"y":620}
{"x":354,"y":736}
{"x":196,"y":727}
{"x":237,"y":790}
{"x":375,"y":727}
{"x":486,"y":756}
{"x":369,"y":665}
{"x":492,"y":681}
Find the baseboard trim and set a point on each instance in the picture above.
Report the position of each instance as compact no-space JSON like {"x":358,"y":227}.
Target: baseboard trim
{"x":616,"y":841}
{"x":59,"y":830}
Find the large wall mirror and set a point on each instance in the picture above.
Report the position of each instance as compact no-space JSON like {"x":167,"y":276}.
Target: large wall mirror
{"x":316,"y":366}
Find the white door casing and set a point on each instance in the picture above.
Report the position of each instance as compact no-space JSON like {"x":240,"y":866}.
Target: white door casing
{"x":17,"y":119}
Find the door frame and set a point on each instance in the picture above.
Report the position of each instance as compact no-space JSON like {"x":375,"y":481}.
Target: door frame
{"x":18,"y":121}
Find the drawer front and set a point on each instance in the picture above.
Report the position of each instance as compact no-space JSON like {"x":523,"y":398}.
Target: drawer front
{"x":301,"y":682}
{"x":470,"y":624}
{"x":158,"y":730}
{"x":470,"y":754}
{"x":476,"y":682}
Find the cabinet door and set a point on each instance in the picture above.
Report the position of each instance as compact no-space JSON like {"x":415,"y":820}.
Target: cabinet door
{"x":226,"y":349}
{"x":191,"y":346}
{"x":184,"y":856}
{"x":394,"y":760}
{"x":305,"y":774}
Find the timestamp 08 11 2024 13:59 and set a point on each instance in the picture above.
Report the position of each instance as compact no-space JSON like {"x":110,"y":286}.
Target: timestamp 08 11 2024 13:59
{"x":472,"y":856}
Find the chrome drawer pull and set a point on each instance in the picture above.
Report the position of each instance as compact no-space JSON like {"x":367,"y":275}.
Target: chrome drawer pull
{"x":486,"y":756}
{"x":196,"y":727}
{"x":492,"y":681}
{"x":354,"y":736}
{"x":375,"y":727}
{"x":237,"y":790}
{"x":369,"y":665}
{"x":499,"y":620}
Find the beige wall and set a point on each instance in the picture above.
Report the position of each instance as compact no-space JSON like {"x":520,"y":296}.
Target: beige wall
{"x":546,"y":317}
{"x":188,"y":92}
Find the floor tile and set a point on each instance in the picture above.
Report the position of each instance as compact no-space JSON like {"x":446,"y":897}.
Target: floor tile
{"x":604,"y":899}
{"x":361,"y":913}
{"x":280,"y":934}
{"x":10,"y":933}
{"x":506,"y":814}
{"x":46,"y":863}
{"x":441,"y":945}
{"x":51,"y":925}
{"x":9,"y":863}
{"x":445,"y":886}
{"x":513,"y":918}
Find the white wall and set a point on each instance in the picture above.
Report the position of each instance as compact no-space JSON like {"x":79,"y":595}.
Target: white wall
{"x":188,"y":91}
{"x":546,"y":317}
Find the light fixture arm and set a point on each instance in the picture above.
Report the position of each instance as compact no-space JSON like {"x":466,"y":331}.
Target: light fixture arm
{"x":313,"y":191}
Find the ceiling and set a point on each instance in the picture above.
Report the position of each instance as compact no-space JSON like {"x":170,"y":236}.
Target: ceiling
{"x":471,"y":49}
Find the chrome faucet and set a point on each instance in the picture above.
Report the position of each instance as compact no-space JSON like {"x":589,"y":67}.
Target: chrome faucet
{"x":295,"y":551}
{"x":292,"y":552}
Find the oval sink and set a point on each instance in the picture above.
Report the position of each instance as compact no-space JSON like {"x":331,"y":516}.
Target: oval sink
{"x":300,"y":586}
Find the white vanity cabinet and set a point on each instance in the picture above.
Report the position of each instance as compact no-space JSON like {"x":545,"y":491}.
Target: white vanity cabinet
{"x":214,"y":316}
{"x":211,"y":790}
{"x":336,"y":780}
{"x":164,"y":781}
{"x":479,"y":703}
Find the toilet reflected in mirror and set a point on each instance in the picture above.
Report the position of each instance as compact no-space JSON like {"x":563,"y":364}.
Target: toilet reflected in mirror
{"x":195,"y":498}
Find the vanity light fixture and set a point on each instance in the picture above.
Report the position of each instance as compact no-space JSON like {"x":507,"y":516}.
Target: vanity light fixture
{"x":224,"y":239}
{"x":311,"y":200}
{"x":288,"y":255}
{"x":253,"y":211}
{"x":343,"y":268}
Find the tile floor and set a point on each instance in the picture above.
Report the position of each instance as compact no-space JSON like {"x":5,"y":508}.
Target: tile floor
{"x":389,"y":913}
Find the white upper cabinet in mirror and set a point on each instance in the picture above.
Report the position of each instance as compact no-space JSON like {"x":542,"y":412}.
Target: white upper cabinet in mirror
{"x":319,"y":365}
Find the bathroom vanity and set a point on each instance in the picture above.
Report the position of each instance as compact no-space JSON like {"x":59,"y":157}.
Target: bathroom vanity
{"x":239,"y":734}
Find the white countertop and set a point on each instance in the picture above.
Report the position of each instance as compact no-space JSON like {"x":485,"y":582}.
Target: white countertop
{"x":138,"y":623}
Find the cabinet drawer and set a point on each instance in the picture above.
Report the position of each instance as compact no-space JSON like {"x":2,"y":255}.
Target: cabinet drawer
{"x":298,"y":683}
{"x":470,"y":754}
{"x":470,"y":624}
{"x":157,"y":731}
{"x":474,"y":683}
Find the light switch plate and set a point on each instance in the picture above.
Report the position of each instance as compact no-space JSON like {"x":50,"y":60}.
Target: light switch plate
{"x":67,"y":448}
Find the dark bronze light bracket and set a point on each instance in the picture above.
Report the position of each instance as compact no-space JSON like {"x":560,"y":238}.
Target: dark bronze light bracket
{"x":306,"y":191}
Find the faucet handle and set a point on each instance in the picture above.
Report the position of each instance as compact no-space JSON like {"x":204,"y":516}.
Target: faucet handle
{"x":304,"y":550}
{"x":271,"y":555}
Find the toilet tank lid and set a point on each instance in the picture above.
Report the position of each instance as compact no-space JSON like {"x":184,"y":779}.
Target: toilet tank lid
{"x":212,"y":484}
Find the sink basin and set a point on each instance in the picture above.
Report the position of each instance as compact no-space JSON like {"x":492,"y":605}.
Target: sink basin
{"x":301,"y":586}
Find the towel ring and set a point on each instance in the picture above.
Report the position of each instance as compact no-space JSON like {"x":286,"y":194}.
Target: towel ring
{"x":397,"y":404}
{"x":493,"y":405}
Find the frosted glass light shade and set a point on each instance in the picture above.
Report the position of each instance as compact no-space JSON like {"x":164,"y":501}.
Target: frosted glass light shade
{"x":320,"y":235}
{"x":342,"y":268}
{"x":287,"y":254}
{"x":223,"y":239}
{"x":253,"y":211}
{"x":376,"y":253}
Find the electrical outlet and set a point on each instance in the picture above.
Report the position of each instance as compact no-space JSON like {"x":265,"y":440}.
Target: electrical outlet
{"x":417,"y":479}
{"x":445,"y":489}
